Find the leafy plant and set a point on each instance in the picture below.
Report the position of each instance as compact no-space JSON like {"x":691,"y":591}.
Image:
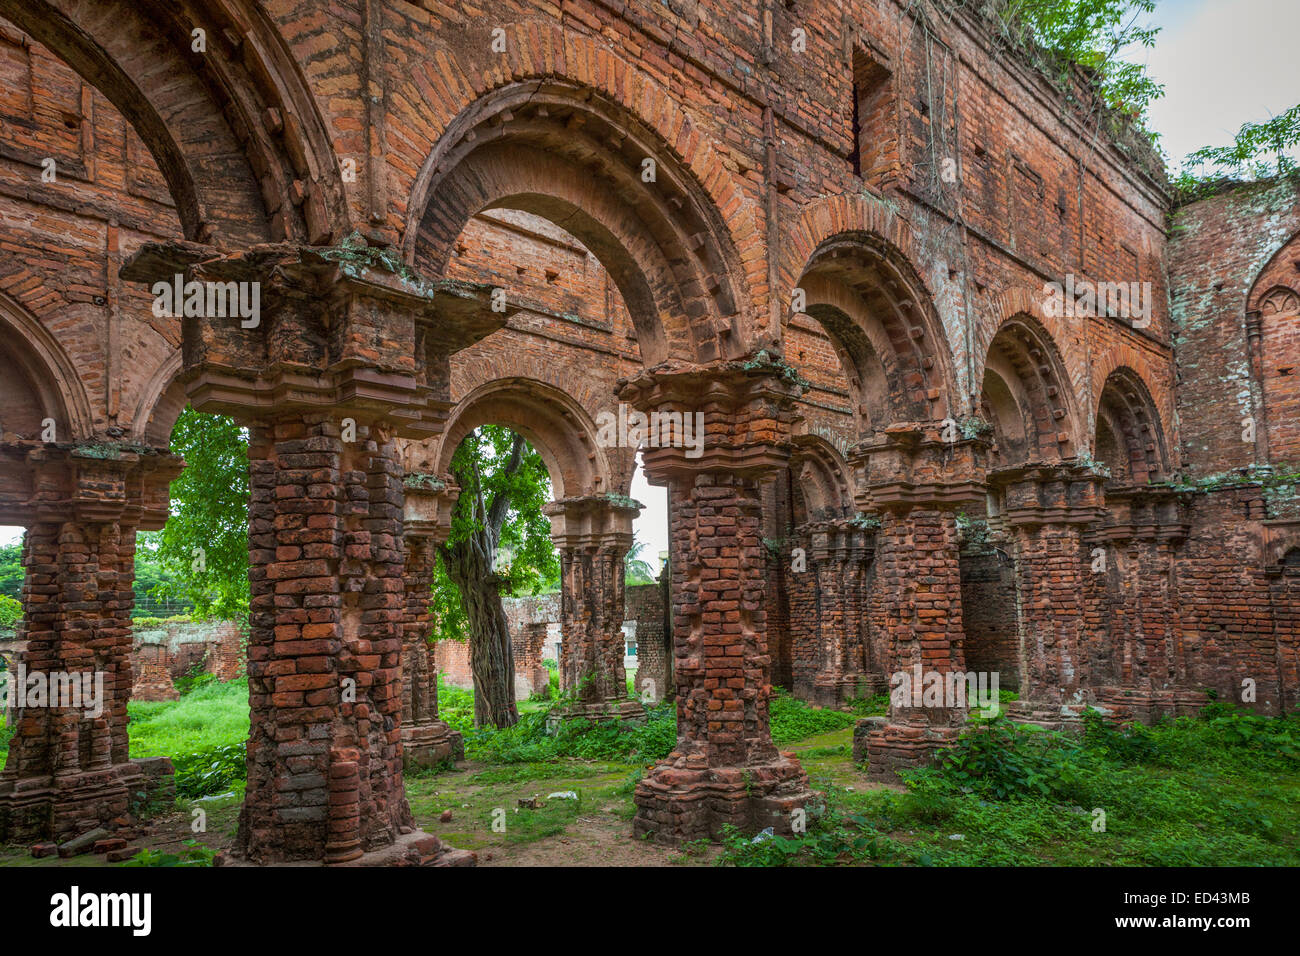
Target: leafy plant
{"x":194,"y":854}
{"x":210,"y":771}
{"x":11,"y":611}
{"x":204,"y":545}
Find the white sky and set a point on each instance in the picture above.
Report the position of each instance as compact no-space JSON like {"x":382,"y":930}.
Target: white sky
{"x":1223,"y":63}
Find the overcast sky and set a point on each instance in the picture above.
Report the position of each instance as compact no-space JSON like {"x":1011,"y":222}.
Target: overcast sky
{"x":1223,"y":63}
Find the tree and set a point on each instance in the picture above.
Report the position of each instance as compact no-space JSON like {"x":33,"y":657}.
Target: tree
{"x":1259,"y":151}
{"x":636,"y":569}
{"x":499,"y":542}
{"x":11,"y":570}
{"x":204,"y":545}
{"x":1090,"y":34}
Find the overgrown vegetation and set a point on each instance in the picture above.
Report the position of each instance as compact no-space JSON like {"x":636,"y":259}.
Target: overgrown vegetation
{"x":202,"y":551}
{"x":1216,"y":789}
{"x":1060,"y":36}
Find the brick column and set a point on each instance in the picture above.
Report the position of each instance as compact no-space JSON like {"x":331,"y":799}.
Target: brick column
{"x":916,"y":483}
{"x":1044,"y":509}
{"x":593,"y":535}
{"x":724,"y":768}
{"x":344,"y":357}
{"x":804,"y":603}
{"x":68,"y":769}
{"x":1139,"y":619}
{"x":840,"y":555}
{"x":426,"y":740}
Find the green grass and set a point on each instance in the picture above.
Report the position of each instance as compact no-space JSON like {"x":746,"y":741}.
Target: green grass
{"x":212,"y":715}
{"x":1218,"y":789}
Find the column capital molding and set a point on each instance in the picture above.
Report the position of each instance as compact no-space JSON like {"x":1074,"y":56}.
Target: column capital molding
{"x":1145,"y":513}
{"x":746,"y":409}
{"x":86,"y":481}
{"x":1067,"y":491}
{"x":910,"y":464}
{"x":590,"y":522}
{"x":839,"y":539}
{"x":427,"y":507}
{"x":344,"y":330}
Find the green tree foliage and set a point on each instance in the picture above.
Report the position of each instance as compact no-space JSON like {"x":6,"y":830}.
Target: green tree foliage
{"x":1259,"y":151}
{"x":204,"y":545}
{"x":11,"y":570}
{"x":499,"y":544}
{"x":636,"y":569}
{"x":1092,"y":34}
{"x":10,"y":611}
{"x":534,"y":567}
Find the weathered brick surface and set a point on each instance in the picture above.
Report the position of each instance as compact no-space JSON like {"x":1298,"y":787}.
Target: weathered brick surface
{"x":921,"y":246}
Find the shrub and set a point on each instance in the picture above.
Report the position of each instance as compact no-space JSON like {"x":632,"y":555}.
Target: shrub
{"x":11,"y":611}
{"x":210,"y":771}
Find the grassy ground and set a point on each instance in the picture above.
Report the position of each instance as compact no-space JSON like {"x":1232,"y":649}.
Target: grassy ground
{"x":1222,"y":788}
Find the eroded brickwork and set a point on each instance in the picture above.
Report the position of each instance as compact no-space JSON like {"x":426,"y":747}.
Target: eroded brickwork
{"x":920,"y":367}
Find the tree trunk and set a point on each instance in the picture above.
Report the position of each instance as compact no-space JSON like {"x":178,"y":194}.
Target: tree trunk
{"x":491,"y":654}
{"x":469,"y":564}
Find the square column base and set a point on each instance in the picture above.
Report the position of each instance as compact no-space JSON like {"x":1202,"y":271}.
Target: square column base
{"x":416,"y":848}
{"x":679,"y":801}
{"x":891,"y":745}
{"x":431,"y":745}
{"x":61,"y":807}
{"x":611,"y":708}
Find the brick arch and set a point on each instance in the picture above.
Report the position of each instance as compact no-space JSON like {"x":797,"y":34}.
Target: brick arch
{"x":40,"y":380}
{"x":1127,"y":412}
{"x":1281,"y":271}
{"x":161,"y":402}
{"x":234,"y":131}
{"x":555,"y":424}
{"x":861,"y":245}
{"x":1029,"y":368}
{"x":1139,"y":365}
{"x":1067,"y":341}
{"x":706,"y":228}
{"x":822,"y":477}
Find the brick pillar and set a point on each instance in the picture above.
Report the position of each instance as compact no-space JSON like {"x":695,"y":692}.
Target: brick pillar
{"x":593,"y":535}
{"x":1044,"y":510}
{"x":1139,"y":626}
{"x":426,"y":740}
{"x":916,"y":483}
{"x":803,"y":599}
{"x":343,"y":358}
{"x":68,"y":769}
{"x":840,"y":555}
{"x":724,"y":769}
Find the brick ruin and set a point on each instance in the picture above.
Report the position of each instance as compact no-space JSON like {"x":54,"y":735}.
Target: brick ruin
{"x":836,"y":252}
